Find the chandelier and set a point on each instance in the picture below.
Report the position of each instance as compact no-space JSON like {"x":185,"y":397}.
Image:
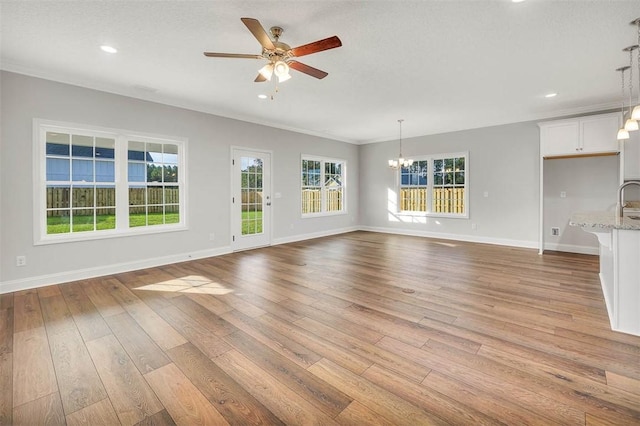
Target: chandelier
{"x":401,"y":161}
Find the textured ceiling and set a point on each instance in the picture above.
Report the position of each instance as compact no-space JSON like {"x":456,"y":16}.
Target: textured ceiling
{"x":440,"y":65}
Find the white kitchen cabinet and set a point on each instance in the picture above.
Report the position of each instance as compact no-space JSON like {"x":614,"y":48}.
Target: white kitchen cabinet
{"x":589,"y":135}
{"x":632,"y":156}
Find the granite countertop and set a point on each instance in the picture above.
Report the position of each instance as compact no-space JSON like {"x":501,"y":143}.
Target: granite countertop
{"x":606,"y":220}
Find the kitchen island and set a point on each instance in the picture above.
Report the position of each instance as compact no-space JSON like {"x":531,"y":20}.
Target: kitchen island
{"x":619,"y":239}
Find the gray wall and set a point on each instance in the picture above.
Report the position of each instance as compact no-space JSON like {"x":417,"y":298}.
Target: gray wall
{"x":503,"y":162}
{"x":590,"y":184}
{"x":208,"y":159}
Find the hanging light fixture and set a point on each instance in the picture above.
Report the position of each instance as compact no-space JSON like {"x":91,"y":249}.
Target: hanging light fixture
{"x":622,"y":132}
{"x":281,"y":70}
{"x":635,"y":115}
{"x":630,"y":125}
{"x":401,"y":161}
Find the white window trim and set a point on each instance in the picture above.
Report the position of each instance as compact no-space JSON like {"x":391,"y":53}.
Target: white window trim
{"x":323,"y":201}
{"x":121,"y":136}
{"x":431,"y":158}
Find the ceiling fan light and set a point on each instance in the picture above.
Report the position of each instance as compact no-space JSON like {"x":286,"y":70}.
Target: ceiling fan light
{"x":267,"y":71}
{"x":631,"y":125}
{"x":281,"y":68}
{"x":623,"y":134}
{"x":635,"y":115}
{"x":283,"y":78}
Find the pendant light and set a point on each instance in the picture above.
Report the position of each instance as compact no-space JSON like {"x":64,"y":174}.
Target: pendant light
{"x":622,"y":133}
{"x":630,"y":125}
{"x":635,"y":115}
{"x":400,"y":162}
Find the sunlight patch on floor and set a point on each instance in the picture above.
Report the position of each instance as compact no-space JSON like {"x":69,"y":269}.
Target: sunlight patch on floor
{"x":189,"y":284}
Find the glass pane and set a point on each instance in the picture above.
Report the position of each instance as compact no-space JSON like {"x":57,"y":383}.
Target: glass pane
{"x":105,"y":219}
{"x":83,"y":220}
{"x":136,"y":172}
{"x":155,"y":195}
{"x":437,"y":166}
{"x":448,"y":178}
{"x":154,"y":150}
{"x":460,"y":164}
{"x":438,"y":179}
{"x":172,"y":214}
{"x":82,"y":170}
{"x":57,"y":144}
{"x":448,"y":164}
{"x":460,"y":178}
{"x":58,"y":222}
{"x":137,"y":195}
{"x":170,"y":154}
{"x":105,"y":148}
{"x":137,"y":216}
{"x":155,"y":215}
{"x":82,"y":146}
{"x":136,"y":151}
{"x":105,"y":196}
{"x":105,"y":171}
{"x":82,"y":197}
{"x":170,"y":173}
{"x":171,"y":195}
{"x":58,"y":197}
{"x":154,"y":172}
{"x":58,"y":169}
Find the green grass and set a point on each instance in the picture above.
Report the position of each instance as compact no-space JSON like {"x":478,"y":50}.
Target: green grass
{"x":251,"y":223}
{"x":61,"y":224}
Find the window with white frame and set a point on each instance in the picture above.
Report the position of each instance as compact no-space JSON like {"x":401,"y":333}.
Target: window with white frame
{"x":97,"y":183}
{"x":436,"y":185}
{"x":323,"y":186}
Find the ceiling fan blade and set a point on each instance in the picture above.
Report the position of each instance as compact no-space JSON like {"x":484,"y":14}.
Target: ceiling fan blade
{"x":313,"y":72}
{"x":232,"y":55}
{"x":260,"y":78}
{"x":259,"y":33}
{"x":317,"y":46}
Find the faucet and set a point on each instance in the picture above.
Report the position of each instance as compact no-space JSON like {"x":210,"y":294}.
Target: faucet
{"x":619,"y":206}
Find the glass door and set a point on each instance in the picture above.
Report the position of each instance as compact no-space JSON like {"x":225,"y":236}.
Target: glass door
{"x":251,"y":199}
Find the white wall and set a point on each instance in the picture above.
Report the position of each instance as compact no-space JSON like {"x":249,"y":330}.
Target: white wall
{"x":209,"y":141}
{"x":503,"y":161}
{"x":590,"y":184}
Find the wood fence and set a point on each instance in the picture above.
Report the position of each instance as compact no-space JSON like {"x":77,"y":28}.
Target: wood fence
{"x":105,"y":199}
{"x":312,"y":200}
{"x":445,"y":200}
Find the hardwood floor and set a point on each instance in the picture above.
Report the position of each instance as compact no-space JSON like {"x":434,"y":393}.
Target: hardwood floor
{"x":361,"y":328}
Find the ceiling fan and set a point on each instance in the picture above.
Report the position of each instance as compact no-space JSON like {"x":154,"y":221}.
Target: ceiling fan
{"x":280,"y":55}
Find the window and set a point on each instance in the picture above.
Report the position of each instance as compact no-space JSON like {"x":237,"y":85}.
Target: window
{"x":436,"y":185}
{"x":323,"y":186}
{"x":97,"y":183}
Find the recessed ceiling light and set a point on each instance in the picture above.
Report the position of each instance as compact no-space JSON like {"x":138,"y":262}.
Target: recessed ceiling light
{"x":261,"y":96}
{"x":108,"y":49}
{"x":550,"y":95}
{"x":517,"y":1}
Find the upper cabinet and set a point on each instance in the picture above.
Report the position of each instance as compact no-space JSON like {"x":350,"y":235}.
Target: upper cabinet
{"x":632,"y":156}
{"x":590,"y":135}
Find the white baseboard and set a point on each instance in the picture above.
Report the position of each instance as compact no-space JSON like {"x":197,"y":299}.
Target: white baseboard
{"x":572,"y":248}
{"x":456,"y":237}
{"x":302,"y":237}
{"x":82,"y":274}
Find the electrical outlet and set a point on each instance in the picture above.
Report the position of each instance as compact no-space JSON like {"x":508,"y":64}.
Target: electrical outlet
{"x":21,"y":260}
{"x":563,"y":194}
{"x":212,"y":236}
{"x":474,"y":226}
{"x":555,"y":231}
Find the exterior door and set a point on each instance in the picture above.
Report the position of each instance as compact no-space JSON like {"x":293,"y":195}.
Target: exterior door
{"x":251,"y":199}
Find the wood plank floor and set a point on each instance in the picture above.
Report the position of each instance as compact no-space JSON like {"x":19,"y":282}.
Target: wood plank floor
{"x":355,"y":329}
